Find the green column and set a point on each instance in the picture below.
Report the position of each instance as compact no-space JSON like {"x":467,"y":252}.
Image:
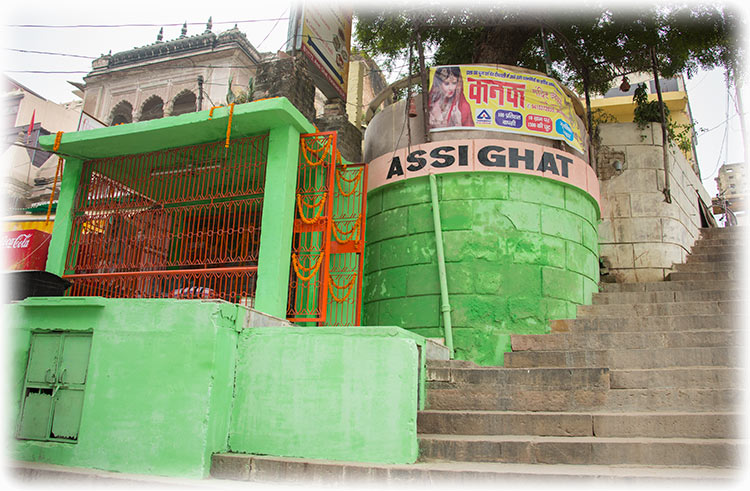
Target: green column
{"x":58,"y":247}
{"x":277,"y":222}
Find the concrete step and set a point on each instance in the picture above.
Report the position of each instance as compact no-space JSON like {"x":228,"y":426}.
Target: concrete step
{"x":674,"y":399}
{"x":625,"y":340}
{"x":288,"y":470}
{"x":706,"y":267}
{"x":632,"y":323}
{"x":539,"y":378}
{"x":678,"y":378}
{"x":704,"y":452}
{"x":442,"y":395}
{"x":722,"y":233}
{"x":601,"y":424}
{"x":704,"y":276}
{"x":610,"y":298}
{"x":626,"y":358}
{"x":670,"y":286}
{"x":451,"y":364}
{"x":711,"y":255}
{"x":660,"y":309}
{"x":718,"y":247}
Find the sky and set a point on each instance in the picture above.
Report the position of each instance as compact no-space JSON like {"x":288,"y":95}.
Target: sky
{"x":265,"y":24}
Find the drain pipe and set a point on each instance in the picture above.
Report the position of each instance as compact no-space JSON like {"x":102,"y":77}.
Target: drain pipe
{"x":445,"y":306}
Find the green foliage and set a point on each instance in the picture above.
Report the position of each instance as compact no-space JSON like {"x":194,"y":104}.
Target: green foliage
{"x":588,"y":44}
{"x":646,"y":112}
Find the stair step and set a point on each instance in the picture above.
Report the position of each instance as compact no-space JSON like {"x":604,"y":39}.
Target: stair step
{"x":706,"y":255}
{"x":626,"y":358}
{"x":710,"y":452}
{"x":601,"y":424}
{"x":539,"y":378}
{"x":674,"y":399}
{"x":673,"y":377}
{"x":722,"y":232}
{"x":611,"y":298}
{"x":625,"y":340}
{"x":632,"y":323}
{"x":660,"y":309}
{"x":704,"y":276}
{"x":495,"y":398}
{"x":734,"y":249}
{"x":264,"y":469}
{"x":447,"y":397}
{"x":706,"y":267}
{"x":670,"y":286}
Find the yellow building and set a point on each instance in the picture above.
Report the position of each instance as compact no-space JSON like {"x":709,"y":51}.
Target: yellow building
{"x":618,"y":103}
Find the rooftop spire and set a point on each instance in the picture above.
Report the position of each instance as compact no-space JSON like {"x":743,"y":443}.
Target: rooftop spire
{"x":184,"y":30}
{"x":160,"y":36}
{"x":209,"y":24}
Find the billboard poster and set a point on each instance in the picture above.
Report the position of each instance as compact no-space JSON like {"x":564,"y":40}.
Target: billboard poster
{"x":324,"y":36}
{"x":497,"y":99}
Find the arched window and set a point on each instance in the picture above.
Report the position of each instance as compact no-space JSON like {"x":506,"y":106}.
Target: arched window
{"x":153,"y":108}
{"x":121,"y":113}
{"x":183,"y":103}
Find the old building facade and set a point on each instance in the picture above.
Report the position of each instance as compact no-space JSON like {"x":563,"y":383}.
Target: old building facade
{"x":168,"y":78}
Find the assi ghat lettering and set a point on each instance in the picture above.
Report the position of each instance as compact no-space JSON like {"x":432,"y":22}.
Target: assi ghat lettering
{"x":490,"y":156}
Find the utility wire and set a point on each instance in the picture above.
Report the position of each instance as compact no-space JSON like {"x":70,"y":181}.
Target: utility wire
{"x":111,"y":26}
{"x":49,"y":53}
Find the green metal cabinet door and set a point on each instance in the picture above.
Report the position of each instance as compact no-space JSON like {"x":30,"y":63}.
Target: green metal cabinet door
{"x":54,"y":388}
{"x":43,"y":359}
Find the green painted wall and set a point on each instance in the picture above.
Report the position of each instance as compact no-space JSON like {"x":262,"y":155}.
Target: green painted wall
{"x":328,"y":393}
{"x":170,"y":382}
{"x":159,"y":386}
{"x":520,"y":250}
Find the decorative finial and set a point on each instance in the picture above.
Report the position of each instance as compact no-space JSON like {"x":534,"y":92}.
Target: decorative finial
{"x":160,"y":36}
{"x":184,"y":30}
{"x":209,"y":24}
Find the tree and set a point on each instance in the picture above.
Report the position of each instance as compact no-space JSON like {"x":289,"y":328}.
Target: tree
{"x":587,"y":48}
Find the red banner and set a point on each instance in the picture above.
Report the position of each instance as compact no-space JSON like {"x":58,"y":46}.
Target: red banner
{"x":24,"y":249}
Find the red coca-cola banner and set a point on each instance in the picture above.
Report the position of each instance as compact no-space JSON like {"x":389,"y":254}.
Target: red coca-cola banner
{"x":24,"y":249}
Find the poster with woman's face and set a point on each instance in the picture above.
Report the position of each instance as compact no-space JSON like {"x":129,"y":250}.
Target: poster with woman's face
{"x":497,"y":99}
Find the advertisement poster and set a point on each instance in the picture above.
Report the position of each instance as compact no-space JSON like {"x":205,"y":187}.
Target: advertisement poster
{"x":326,"y":31}
{"x":493,"y":98}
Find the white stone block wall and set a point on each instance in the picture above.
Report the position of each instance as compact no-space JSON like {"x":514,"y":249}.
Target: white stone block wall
{"x":641,"y":236}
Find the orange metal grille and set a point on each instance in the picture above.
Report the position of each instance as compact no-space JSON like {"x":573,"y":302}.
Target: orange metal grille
{"x":180,"y":223}
{"x":325,"y":280}
{"x":308,"y":284}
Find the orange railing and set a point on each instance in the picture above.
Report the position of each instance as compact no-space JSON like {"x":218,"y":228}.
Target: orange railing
{"x":168,"y":223}
{"x":325,"y":280}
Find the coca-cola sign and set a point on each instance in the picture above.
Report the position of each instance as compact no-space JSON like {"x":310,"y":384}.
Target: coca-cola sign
{"x":24,"y":249}
{"x":21,"y":241}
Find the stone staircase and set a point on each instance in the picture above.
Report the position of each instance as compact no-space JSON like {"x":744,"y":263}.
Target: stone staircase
{"x":645,"y":386}
{"x":648,"y":377}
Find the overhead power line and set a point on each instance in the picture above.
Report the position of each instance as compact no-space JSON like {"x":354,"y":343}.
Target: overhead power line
{"x":108,"y":26}
{"x":50,"y":53}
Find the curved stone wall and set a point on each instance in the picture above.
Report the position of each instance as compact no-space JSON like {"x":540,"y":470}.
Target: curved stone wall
{"x":520,"y":251}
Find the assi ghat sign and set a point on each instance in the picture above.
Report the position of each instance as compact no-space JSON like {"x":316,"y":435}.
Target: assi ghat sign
{"x":482,"y":156}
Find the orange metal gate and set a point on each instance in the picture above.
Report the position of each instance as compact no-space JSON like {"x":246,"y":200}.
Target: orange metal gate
{"x":325,"y":281}
{"x":178,"y":223}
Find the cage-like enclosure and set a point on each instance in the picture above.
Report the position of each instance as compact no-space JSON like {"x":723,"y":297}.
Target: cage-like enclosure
{"x":177,"y":223}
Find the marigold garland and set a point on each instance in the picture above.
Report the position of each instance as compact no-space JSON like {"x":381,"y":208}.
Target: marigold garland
{"x":324,"y":149}
{"x":355,"y":180}
{"x":58,"y":171}
{"x":320,"y":205}
{"x":349,"y":287}
{"x":229,"y":124}
{"x":313,"y":270}
{"x":337,"y":233}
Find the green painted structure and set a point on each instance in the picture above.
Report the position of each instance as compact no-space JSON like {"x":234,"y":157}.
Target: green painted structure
{"x":276,"y":117}
{"x":156,"y":386}
{"x":520,"y":250}
{"x":165,"y":383}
